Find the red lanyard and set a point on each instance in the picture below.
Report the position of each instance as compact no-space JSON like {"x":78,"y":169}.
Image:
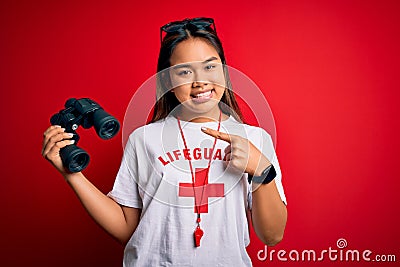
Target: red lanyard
{"x":198,"y":232}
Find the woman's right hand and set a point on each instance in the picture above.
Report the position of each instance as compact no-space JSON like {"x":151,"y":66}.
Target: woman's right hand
{"x":119,"y":221}
{"x":55,"y":138}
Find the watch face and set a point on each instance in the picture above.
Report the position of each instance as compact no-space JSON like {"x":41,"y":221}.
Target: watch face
{"x":267,"y":175}
{"x":266,"y":171}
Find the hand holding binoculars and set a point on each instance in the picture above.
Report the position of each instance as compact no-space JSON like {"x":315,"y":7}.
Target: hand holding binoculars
{"x":86,"y":113}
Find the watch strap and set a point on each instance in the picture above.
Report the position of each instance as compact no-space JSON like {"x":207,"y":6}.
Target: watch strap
{"x":266,"y":176}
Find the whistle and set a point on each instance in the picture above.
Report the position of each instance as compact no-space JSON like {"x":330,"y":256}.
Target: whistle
{"x":198,"y":234}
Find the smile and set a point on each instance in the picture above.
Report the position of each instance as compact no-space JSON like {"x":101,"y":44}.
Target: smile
{"x":202,"y":97}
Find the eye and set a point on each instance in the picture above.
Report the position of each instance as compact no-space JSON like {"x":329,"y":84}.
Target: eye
{"x":210,"y":67}
{"x":184,"y":72}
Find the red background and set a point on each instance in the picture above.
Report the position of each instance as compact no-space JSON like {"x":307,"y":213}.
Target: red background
{"x":329,"y":70}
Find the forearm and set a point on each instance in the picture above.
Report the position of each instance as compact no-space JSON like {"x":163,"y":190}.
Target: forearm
{"x":105,"y":211}
{"x":269,"y":213}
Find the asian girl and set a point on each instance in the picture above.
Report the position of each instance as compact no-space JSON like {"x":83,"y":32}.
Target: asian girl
{"x":192,"y":179}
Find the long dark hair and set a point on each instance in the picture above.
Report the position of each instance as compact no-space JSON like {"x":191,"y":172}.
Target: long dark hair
{"x":166,"y":100}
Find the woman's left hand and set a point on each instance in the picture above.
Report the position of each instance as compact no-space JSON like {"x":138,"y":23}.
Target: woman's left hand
{"x":241,"y":153}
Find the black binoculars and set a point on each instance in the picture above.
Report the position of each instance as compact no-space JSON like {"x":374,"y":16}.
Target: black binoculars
{"x":87,"y":113}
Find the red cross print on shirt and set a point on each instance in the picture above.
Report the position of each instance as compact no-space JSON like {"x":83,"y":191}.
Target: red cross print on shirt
{"x":201,"y":190}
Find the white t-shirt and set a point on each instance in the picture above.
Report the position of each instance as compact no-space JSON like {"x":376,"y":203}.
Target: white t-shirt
{"x":155,"y":177}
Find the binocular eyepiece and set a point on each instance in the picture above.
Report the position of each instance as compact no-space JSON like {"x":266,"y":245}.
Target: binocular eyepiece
{"x":87,"y":113}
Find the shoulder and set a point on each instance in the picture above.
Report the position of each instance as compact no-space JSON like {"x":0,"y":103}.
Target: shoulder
{"x":146,"y":132}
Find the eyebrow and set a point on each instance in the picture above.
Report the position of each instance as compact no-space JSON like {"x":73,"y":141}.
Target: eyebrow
{"x":179,"y":66}
{"x":210,"y":59}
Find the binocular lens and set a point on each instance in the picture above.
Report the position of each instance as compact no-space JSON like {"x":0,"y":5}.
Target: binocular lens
{"x":106,"y":125}
{"x":74,"y":158}
{"x":109,"y":128}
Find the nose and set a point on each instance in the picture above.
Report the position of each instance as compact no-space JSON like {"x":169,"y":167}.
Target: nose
{"x":200,"y":79}
{"x":199,"y":84}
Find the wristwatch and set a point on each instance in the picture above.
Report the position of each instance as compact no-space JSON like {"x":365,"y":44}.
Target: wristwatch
{"x":266,"y":176}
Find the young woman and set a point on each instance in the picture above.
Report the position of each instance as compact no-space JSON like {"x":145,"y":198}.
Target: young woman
{"x":191,"y":179}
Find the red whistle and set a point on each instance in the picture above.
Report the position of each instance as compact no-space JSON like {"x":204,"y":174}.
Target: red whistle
{"x":198,"y":234}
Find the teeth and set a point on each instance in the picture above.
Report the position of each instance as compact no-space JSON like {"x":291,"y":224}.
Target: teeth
{"x":203,"y":94}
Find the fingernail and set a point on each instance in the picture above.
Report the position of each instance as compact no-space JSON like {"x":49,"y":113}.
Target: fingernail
{"x":71,"y":141}
{"x":70,"y":134}
{"x":58,"y":126}
{"x":204,"y":129}
{"x":63,"y":129}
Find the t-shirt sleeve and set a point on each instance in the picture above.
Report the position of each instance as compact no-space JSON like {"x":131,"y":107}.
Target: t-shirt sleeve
{"x":125,"y":190}
{"x":266,"y":146}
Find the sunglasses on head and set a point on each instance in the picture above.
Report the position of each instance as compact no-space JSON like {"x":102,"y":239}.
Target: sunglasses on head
{"x":175,"y":26}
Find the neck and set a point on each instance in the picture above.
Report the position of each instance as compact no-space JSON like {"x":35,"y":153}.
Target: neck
{"x":212,"y":115}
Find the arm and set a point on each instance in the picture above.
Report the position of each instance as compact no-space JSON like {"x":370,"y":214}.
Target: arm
{"x":268,"y":213}
{"x":119,"y":221}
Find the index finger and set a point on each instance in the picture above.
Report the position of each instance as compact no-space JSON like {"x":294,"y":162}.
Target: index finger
{"x":52,"y":127}
{"x":219,"y":135}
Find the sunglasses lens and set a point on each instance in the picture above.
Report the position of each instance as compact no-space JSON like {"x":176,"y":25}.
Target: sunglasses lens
{"x":202,"y":24}
{"x":172,"y":27}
